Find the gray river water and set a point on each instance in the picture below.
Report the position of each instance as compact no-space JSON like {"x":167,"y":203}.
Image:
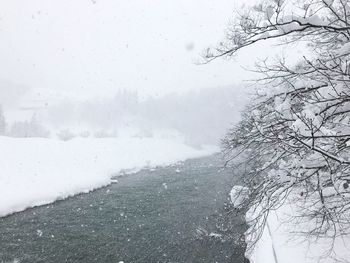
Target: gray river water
{"x":168,"y":214}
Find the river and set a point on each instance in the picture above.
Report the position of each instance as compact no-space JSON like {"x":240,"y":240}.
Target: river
{"x":166,"y":214}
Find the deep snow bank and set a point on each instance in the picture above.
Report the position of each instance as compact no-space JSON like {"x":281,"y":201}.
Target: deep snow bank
{"x":278,"y":244}
{"x":39,"y":171}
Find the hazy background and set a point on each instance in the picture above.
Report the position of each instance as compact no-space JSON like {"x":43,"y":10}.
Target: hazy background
{"x":113,"y":67}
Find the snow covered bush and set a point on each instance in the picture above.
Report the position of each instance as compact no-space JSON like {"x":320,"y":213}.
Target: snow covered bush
{"x":106,"y":134}
{"x":239,"y":195}
{"x":84,"y":134}
{"x":65,"y":135}
{"x":295,"y":134}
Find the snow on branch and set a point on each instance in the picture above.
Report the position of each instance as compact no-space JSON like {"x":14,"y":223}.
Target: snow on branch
{"x":294,"y":137}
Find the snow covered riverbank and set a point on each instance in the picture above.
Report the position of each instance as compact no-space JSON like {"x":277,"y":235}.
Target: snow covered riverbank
{"x":39,"y":171}
{"x":281,"y":241}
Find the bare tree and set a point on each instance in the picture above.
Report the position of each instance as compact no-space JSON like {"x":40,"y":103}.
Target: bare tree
{"x":295,"y":135}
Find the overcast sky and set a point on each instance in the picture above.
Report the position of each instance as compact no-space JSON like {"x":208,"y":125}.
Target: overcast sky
{"x":90,"y":48}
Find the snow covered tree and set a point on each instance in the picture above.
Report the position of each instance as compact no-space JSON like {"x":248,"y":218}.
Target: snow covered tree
{"x":2,"y":122}
{"x":295,"y":134}
{"x":28,"y":129}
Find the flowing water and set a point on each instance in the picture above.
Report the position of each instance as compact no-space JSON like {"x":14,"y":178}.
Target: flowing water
{"x":166,"y":214}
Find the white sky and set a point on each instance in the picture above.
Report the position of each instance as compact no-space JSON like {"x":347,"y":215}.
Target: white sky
{"x":89,"y":49}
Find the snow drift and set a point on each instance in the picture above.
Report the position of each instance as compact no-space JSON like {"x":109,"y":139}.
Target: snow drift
{"x":39,"y":171}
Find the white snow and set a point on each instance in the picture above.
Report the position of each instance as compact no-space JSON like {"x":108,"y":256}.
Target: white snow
{"x":39,"y":171}
{"x":280,"y":243}
{"x":344,"y":50}
{"x":238,"y":195}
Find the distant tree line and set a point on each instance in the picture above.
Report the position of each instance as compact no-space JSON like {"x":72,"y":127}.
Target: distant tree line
{"x":187,"y":114}
{"x":2,"y":122}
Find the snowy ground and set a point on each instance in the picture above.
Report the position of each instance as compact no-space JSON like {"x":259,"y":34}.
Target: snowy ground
{"x":278,"y":244}
{"x":39,"y":171}
{"x":281,"y":241}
